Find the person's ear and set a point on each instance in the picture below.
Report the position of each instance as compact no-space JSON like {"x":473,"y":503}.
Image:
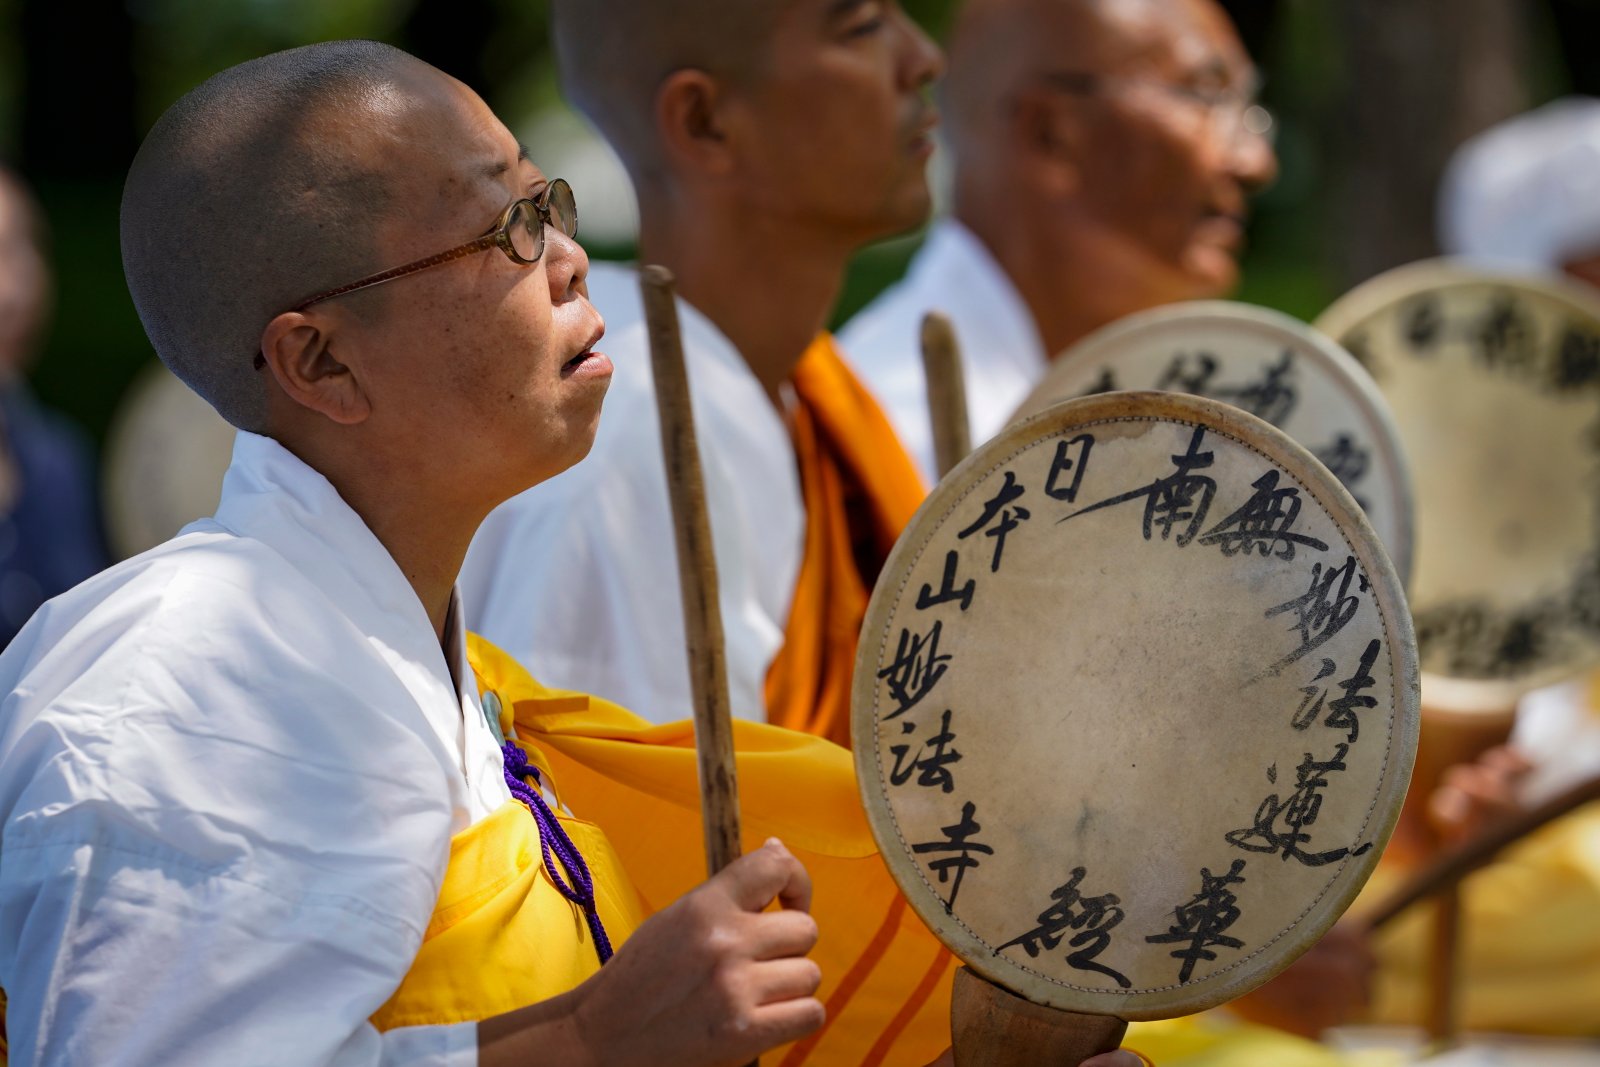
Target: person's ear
{"x":691,"y":122}
{"x":298,"y":348}
{"x":1048,"y":137}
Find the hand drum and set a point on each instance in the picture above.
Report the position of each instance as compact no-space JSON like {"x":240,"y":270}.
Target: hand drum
{"x":1495,"y":384}
{"x":1135,"y":705}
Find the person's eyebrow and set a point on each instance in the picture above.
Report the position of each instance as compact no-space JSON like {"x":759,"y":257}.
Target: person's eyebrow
{"x":1213,"y":70}
{"x":840,"y":8}
{"x":500,"y":166}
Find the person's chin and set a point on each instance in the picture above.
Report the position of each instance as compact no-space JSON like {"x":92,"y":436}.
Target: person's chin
{"x":1212,"y":272}
{"x":906,"y":210}
{"x":572,"y":448}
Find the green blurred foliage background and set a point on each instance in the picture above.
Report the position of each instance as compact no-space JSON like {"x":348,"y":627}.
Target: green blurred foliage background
{"x":81,"y":81}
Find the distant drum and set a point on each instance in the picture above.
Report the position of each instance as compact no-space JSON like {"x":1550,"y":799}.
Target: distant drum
{"x":1494,"y":381}
{"x":1269,"y":364}
{"x":1135,"y":705}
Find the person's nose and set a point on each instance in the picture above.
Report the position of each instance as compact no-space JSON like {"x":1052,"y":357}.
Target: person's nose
{"x":566,"y":266}
{"x":1252,"y":159}
{"x":923,"y":59}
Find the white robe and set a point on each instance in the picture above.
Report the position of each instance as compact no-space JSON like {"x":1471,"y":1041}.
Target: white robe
{"x":578,"y":578}
{"x":230,"y":769}
{"x":1003,"y":357}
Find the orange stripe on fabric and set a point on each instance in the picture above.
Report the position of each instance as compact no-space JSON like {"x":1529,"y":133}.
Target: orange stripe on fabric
{"x":908,"y":1011}
{"x":853,"y":980}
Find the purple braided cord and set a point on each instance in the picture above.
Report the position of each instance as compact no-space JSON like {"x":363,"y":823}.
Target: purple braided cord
{"x":553,"y":838}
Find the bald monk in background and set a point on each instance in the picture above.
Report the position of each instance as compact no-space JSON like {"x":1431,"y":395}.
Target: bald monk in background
{"x":767,"y":140}
{"x":1104,"y":154}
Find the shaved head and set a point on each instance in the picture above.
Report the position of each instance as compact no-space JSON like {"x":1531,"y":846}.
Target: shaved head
{"x":998,"y":46}
{"x":614,"y":55}
{"x":1107,"y":149}
{"x":255,"y":190}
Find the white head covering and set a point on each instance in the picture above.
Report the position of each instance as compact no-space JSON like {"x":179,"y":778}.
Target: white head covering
{"x":1527,"y":192}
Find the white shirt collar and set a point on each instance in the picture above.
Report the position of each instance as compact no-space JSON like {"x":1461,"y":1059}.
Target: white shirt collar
{"x":270,"y":495}
{"x":957,"y":266}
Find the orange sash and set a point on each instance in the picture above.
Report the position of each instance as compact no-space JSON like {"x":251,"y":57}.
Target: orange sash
{"x":860,"y":490}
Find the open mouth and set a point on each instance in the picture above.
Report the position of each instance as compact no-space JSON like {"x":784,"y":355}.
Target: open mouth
{"x":588,"y":360}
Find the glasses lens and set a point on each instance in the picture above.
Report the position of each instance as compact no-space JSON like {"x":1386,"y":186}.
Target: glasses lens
{"x":1259,"y":121}
{"x":563,"y":208}
{"x":527,"y":235}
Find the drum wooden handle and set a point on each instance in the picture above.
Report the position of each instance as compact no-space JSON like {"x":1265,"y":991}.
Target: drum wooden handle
{"x":947,"y":392}
{"x":697,"y":573}
{"x":1444,"y":971}
{"x":991,"y":1027}
{"x":1458,"y":862}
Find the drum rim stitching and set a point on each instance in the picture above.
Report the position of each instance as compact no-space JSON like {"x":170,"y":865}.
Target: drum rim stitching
{"x":1396,"y":703}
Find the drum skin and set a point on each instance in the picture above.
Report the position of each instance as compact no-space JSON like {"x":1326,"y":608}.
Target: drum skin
{"x":1494,"y":380}
{"x":1269,"y":364}
{"x":1135,"y":705}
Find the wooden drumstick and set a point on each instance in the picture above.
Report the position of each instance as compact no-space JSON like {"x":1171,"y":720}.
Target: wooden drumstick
{"x":697,"y":573}
{"x":1460,"y":861}
{"x":947,"y":392}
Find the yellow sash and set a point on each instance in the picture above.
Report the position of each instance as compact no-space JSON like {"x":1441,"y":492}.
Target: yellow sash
{"x":886,"y":979}
{"x":502,"y":936}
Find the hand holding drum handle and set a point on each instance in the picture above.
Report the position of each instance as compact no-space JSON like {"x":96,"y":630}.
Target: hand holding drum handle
{"x":947,"y":392}
{"x":697,"y":573}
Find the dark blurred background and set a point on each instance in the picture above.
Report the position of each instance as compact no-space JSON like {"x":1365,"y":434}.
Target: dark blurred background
{"x":1371,"y":96}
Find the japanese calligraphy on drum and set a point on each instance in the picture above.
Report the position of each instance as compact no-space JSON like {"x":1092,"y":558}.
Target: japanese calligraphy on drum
{"x":1264,"y":362}
{"x":1135,"y":705}
{"x":1495,"y":384}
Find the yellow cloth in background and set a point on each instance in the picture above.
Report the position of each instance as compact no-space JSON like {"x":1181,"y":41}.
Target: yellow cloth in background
{"x":1530,"y":953}
{"x":860,"y":490}
{"x":1216,"y":1040}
